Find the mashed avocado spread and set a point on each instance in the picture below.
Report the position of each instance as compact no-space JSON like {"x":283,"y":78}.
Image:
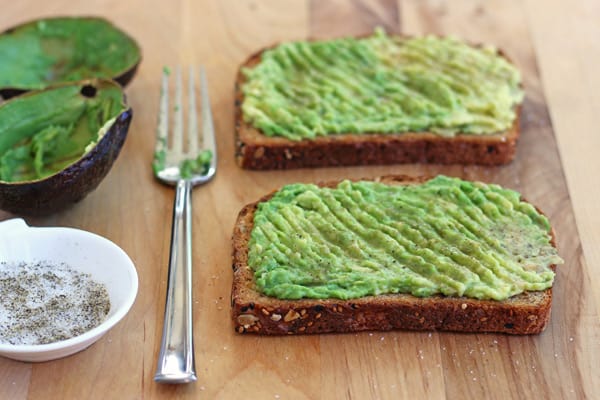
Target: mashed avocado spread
{"x":380,"y":84}
{"x":446,"y":236}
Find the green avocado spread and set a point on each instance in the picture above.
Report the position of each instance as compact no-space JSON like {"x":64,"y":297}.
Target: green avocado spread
{"x":43,"y":132}
{"x":446,"y":236}
{"x":380,"y":84}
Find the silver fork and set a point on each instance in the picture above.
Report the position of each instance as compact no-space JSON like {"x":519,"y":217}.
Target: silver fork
{"x":175,"y":166}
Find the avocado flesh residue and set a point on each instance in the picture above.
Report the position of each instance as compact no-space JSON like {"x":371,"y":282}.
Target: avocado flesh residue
{"x":446,"y":236}
{"x":41,"y":53}
{"x":188,"y":167}
{"x":42,"y":133}
{"x":196,"y":166}
{"x":380,"y":84}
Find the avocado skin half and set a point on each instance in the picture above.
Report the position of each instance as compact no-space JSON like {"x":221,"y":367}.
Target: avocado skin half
{"x":123,"y":76}
{"x":63,"y":189}
{"x":122,"y":80}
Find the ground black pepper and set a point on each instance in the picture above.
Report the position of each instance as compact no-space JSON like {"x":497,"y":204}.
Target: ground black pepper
{"x":43,"y":303}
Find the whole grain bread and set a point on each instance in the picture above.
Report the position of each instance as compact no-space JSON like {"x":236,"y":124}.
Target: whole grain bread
{"x":254,"y":150}
{"x":253,"y":312}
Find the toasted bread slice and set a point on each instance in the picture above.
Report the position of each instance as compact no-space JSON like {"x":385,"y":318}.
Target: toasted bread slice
{"x":254,"y":150}
{"x":253,"y":312}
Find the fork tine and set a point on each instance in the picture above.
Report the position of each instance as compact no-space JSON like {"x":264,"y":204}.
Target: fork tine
{"x":208,"y":132}
{"x":162,"y":129}
{"x":198,"y":163}
{"x":192,"y":117}
{"x":178,"y":115}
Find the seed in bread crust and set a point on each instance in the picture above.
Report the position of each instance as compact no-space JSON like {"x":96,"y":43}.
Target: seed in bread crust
{"x":463,"y":306}
{"x":276,"y":317}
{"x":247,"y":320}
{"x":264,"y":311}
{"x":259,"y":152}
{"x":291,"y":315}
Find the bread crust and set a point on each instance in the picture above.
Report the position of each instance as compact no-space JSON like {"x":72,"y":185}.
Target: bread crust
{"x":253,"y":312}
{"x":254,"y":150}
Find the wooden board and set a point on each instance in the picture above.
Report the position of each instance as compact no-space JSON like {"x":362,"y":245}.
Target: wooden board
{"x":134,"y":211}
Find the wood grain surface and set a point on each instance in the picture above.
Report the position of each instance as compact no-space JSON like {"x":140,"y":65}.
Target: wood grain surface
{"x":133,"y":210}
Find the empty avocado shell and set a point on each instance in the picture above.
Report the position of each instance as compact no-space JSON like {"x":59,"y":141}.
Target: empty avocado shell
{"x":48,"y":51}
{"x":57,"y":144}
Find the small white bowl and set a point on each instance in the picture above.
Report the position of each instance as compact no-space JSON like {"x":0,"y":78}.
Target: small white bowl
{"x":83,"y":251}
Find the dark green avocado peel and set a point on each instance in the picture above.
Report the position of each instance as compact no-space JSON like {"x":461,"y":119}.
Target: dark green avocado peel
{"x":57,"y":144}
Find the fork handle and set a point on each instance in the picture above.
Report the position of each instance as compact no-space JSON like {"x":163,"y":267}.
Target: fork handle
{"x":176,"y":359}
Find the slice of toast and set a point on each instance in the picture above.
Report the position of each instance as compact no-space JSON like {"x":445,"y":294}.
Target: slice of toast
{"x":253,"y":312}
{"x":255,"y":150}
